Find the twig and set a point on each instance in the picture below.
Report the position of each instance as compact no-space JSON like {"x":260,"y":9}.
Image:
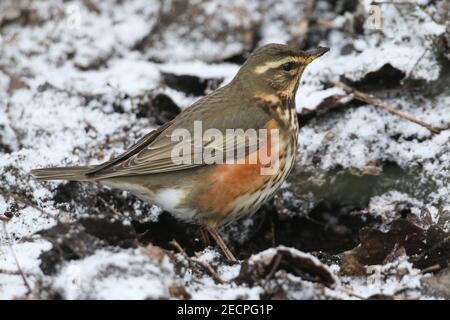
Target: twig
{"x":20,"y":199}
{"x":394,"y":3}
{"x":205,"y":265}
{"x":433,"y":268}
{"x":359,"y":95}
{"x":180,"y":249}
{"x":330,"y":25}
{"x":9,"y":272}
{"x":109,"y":142}
{"x":19,"y":268}
{"x":408,"y":76}
{"x":205,"y":237}
{"x":12,"y":126}
{"x":350,"y":292}
{"x":210,"y":270}
{"x":272,"y":231}
{"x":276,"y":264}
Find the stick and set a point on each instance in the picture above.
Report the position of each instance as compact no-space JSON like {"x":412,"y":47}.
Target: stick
{"x":330,"y":25}
{"x":210,"y":270}
{"x":203,"y":264}
{"x":433,"y":268}
{"x":350,"y":292}
{"x":177,"y":246}
{"x":22,"y":274}
{"x":9,"y":272}
{"x":276,"y":264}
{"x":380,"y":104}
{"x":109,"y":142}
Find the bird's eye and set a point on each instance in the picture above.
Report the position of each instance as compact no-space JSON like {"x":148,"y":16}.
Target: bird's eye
{"x":288,"y":66}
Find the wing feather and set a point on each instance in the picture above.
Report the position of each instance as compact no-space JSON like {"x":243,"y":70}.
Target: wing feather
{"x":153,"y":153}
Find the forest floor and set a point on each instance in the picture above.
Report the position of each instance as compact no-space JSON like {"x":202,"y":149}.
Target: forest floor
{"x":365,"y":214}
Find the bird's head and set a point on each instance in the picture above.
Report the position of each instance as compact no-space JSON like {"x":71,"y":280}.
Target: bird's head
{"x":277,"y":68}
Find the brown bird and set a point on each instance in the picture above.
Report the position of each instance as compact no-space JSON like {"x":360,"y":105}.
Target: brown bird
{"x":261,"y":99}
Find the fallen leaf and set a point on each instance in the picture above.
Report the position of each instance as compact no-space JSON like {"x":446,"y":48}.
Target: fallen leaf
{"x":265,"y":264}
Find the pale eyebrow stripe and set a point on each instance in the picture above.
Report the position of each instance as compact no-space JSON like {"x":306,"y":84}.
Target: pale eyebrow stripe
{"x":274,"y":64}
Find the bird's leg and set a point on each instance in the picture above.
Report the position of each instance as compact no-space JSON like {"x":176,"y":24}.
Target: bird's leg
{"x":204,"y":236}
{"x":215,"y":234}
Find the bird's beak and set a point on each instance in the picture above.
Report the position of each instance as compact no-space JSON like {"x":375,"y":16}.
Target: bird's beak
{"x":313,"y":54}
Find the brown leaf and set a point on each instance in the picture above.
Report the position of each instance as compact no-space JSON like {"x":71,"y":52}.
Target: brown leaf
{"x":179,"y":292}
{"x":350,"y":266}
{"x":438,"y":284}
{"x":372,"y":168}
{"x":155,"y":253}
{"x":15,"y":82}
{"x":92,"y":7}
{"x":426,"y":247}
{"x":331,"y":102}
{"x":265,"y":264}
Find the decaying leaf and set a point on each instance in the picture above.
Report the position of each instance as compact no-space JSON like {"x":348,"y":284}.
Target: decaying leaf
{"x":155,"y":253}
{"x":438,"y":284}
{"x":372,"y":168}
{"x":264,"y":265}
{"x":426,"y":247}
{"x":364,"y":179}
{"x":179,"y":292}
{"x":350,"y":266}
{"x":70,"y":242}
{"x":15,"y":82}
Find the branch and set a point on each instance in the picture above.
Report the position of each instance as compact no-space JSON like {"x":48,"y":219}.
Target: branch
{"x":361,"y":96}
{"x":205,"y":265}
{"x":19,"y":268}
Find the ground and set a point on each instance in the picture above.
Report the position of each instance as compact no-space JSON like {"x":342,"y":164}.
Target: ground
{"x":365,"y":214}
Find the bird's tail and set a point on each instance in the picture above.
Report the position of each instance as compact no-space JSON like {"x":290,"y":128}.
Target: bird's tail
{"x":62,"y":173}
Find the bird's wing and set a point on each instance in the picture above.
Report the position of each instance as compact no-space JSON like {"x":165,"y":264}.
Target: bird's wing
{"x":134,"y":149}
{"x":154,"y":152}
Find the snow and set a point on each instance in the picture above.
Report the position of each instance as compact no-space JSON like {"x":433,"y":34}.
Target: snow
{"x":101,"y":276}
{"x":406,"y":41}
{"x":27,"y":254}
{"x":384,"y":205}
{"x":317,"y":97}
{"x":85,"y":81}
{"x":130,"y":76}
{"x":201,"y":69}
{"x":405,"y":278}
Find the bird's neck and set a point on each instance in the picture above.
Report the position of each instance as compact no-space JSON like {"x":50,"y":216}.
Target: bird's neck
{"x":250,"y":90}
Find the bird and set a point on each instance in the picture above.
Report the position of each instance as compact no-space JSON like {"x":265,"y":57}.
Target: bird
{"x":192,"y":187}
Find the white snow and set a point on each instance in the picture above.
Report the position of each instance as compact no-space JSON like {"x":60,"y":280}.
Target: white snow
{"x":27,"y":253}
{"x":102,"y":276}
{"x":83,"y":82}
